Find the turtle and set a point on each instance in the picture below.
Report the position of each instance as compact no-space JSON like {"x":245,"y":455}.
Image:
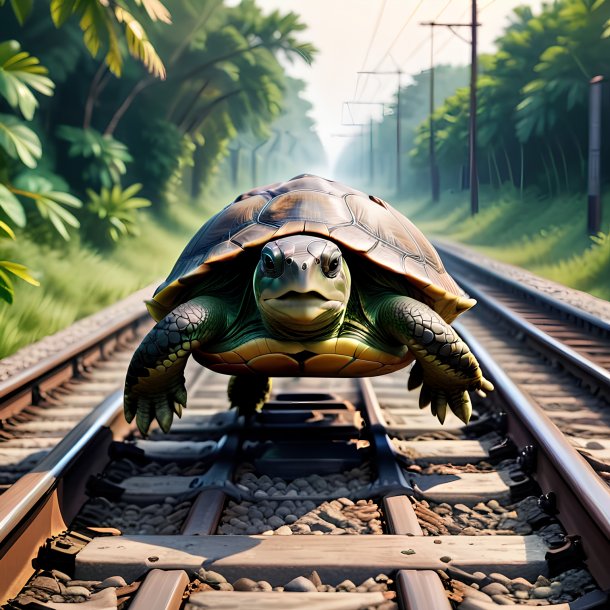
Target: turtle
{"x":307,"y":277}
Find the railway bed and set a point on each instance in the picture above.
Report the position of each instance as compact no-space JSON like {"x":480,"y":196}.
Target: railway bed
{"x":254,"y":518}
{"x":340,"y":494}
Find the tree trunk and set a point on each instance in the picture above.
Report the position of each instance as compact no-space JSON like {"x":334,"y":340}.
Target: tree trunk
{"x":548,"y":175}
{"x":554,"y":166}
{"x":183,"y":122}
{"x":508,"y":165}
{"x":495,"y":160}
{"x":521,"y":173}
{"x":564,"y":163}
{"x":122,"y":109}
{"x":197,"y":122}
{"x":97,"y":84}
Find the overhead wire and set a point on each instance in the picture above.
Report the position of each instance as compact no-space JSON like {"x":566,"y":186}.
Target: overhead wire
{"x":399,"y":34}
{"x":486,"y":6}
{"x":370,"y":46}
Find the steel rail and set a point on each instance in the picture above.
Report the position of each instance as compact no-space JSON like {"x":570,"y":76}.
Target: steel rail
{"x":48,"y":366}
{"x":24,"y":495}
{"x":574,"y":475}
{"x":535,"y":295}
{"x":575,"y":359}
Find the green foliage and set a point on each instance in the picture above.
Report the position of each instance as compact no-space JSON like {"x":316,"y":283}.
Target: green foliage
{"x":11,"y":206}
{"x":50,"y":203}
{"x":545,"y":236}
{"x":77,"y":281}
{"x":8,"y":267}
{"x":163,"y":152}
{"x":21,"y":9}
{"x":115,"y":211}
{"x":225,"y":81}
{"x":18,"y":141}
{"x":98,"y":20}
{"x":532,"y":105}
{"x":20,"y":72}
{"x":105,"y":158}
{"x":6,"y":286}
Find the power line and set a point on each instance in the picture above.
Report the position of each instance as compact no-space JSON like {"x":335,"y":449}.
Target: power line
{"x":372,"y":39}
{"x":486,"y":6}
{"x":402,"y":29}
{"x":450,"y":38}
{"x":443,"y":9}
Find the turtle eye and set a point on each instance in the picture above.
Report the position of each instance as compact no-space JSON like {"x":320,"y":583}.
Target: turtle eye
{"x":334,"y":265}
{"x":272,"y":262}
{"x":268,"y":262}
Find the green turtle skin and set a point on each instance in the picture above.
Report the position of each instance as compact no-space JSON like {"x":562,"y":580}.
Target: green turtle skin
{"x":304,"y":278}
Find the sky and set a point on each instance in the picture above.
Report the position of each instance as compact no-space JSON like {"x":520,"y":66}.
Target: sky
{"x":380,"y":35}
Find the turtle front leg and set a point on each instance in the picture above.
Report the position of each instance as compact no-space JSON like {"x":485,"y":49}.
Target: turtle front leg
{"x":154,"y":387}
{"x":445,"y":366}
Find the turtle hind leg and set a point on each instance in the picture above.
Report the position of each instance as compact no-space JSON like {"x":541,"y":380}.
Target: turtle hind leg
{"x":248,"y":393}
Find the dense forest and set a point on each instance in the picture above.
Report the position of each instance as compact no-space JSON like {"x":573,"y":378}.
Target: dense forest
{"x":110,"y":107}
{"x":532,"y":114}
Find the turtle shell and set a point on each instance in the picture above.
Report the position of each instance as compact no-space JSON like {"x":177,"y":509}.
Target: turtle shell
{"x":360,"y":223}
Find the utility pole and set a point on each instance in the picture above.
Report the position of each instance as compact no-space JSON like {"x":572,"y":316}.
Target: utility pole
{"x":397,"y":73}
{"x":594,"y":212}
{"x":472,"y":139}
{"x":371,"y":142}
{"x":434,"y":177}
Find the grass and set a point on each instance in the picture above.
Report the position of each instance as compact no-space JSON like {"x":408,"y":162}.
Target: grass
{"x":77,"y":281}
{"x":546,"y":236}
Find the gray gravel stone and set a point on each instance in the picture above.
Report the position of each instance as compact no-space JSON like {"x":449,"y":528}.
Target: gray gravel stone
{"x":245,"y":584}
{"x":111,"y":581}
{"x":542,"y":592}
{"x":81,"y":591}
{"x":45,"y":583}
{"x":300,"y":584}
{"x":495,"y":588}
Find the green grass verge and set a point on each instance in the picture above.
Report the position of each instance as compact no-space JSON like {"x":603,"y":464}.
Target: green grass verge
{"x":77,"y":281}
{"x":546,"y":236}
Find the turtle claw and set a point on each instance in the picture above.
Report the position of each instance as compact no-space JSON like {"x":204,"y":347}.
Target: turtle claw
{"x":425,"y":397}
{"x":164,"y":414}
{"x":416,"y":376}
{"x":158,"y":405}
{"x":486,"y":385}
{"x":143,"y":418}
{"x":459,"y":403}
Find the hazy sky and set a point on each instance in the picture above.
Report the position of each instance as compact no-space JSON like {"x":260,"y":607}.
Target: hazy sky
{"x":356,"y":35}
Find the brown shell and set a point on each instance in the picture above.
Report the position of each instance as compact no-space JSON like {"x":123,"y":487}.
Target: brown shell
{"x":308,"y":204}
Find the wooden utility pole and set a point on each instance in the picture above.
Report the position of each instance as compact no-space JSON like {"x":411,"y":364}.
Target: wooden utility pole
{"x":398,"y":138}
{"x":371,"y":141}
{"x":594,"y":212}
{"x":472,"y":138}
{"x":434,"y":174}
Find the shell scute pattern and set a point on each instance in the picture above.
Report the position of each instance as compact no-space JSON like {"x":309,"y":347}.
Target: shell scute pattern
{"x":362,"y":224}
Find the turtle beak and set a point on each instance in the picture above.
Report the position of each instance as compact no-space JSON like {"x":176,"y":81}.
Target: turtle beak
{"x":304,"y":293}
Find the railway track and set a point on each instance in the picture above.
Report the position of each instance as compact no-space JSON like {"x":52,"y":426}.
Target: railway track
{"x":336,"y":486}
{"x":557,"y":354}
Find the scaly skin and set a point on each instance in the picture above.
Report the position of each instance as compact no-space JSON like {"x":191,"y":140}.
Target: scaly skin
{"x":155,"y":378}
{"x":444,"y":363}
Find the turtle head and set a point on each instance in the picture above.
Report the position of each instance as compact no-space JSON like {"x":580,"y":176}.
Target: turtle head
{"x":301,"y":285}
